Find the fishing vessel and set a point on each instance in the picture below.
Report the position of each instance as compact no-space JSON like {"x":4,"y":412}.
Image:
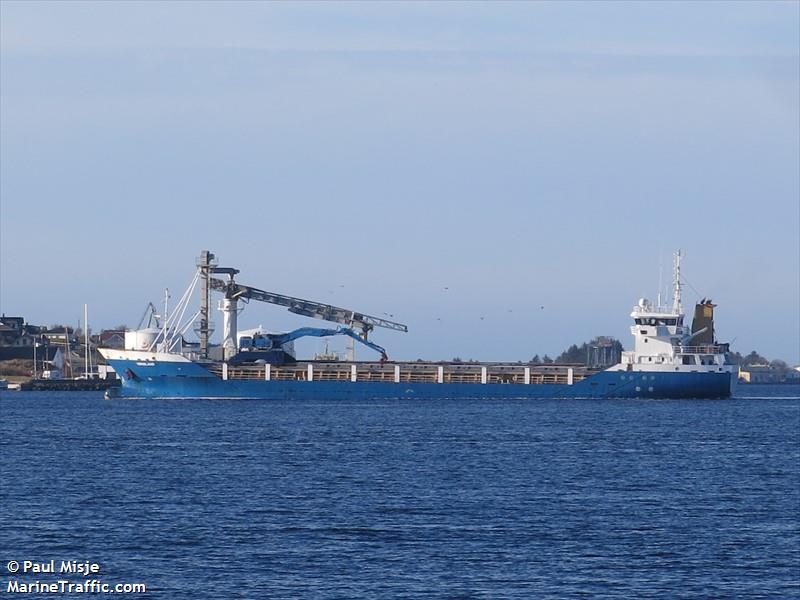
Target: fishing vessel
{"x":670,"y":358}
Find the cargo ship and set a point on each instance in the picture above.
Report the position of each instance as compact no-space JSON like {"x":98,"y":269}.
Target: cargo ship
{"x":670,"y":359}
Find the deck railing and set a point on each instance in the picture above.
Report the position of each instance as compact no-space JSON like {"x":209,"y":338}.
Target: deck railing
{"x":514,"y":374}
{"x":704,"y":349}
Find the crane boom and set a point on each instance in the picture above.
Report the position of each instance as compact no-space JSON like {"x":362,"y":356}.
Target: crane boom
{"x":359,"y":324}
{"x":306,"y":308}
{"x":276,"y":340}
{"x":153,"y":316}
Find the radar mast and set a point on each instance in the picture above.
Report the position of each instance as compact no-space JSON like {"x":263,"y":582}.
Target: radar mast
{"x":677,"y":306}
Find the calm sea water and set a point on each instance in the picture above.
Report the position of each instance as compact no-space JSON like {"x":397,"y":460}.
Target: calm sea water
{"x":409,"y":499}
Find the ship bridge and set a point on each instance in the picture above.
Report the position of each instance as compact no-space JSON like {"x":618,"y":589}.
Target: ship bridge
{"x":662,"y":342}
{"x":656,"y":331}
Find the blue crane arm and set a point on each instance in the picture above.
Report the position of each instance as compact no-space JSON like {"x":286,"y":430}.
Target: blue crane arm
{"x":278,"y":339}
{"x":349,"y":332}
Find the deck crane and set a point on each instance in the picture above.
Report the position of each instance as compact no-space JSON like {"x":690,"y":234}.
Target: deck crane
{"x":359,"y":323}
{"x":275,"y":341}
{"x":151,"y":314}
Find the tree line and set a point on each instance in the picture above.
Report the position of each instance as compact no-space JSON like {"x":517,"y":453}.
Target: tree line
{"x":755,"y":359}
{"x":579,"y":354}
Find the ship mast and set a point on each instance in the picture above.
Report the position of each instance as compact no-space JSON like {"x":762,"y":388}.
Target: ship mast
{"x":677,"y":307}
{"x":86,"y":341}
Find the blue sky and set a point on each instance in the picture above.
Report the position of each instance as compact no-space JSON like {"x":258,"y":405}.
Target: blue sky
{"x":371,"y":155}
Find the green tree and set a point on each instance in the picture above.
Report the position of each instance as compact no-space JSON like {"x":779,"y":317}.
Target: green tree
{"x":580,"y":354}
{"x":574,"y":354}
{"x":754,"y":358}
{"x":735,"y":358}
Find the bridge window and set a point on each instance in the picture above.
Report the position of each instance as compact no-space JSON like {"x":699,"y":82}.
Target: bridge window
{"x":656,"y":321}
{"x":688,"y":360}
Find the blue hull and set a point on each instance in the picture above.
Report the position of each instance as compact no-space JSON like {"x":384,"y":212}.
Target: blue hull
{"x":189,"y":380}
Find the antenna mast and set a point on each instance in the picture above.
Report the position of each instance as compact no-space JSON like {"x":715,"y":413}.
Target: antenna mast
{"x":166,"y":318}
{"x":660,"y":280}
{"x":86,"y":340}
{"x":677,"y":307}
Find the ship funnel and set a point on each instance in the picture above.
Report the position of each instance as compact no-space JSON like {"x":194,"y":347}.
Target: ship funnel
{"x":703,"y":323}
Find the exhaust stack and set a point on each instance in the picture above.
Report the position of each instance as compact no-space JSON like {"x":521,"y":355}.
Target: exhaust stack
{"x":703,"y":323}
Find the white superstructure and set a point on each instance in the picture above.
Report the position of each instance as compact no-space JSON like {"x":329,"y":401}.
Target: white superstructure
{"x":663,"y":342}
